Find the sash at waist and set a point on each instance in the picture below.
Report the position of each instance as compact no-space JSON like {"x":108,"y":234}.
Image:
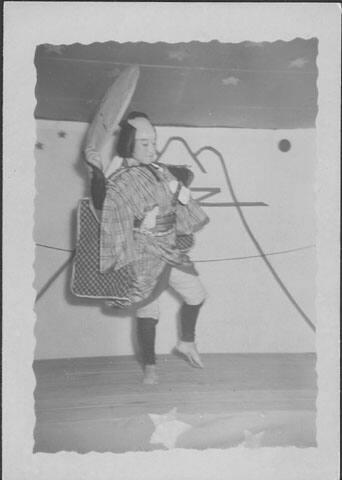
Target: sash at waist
{"x":164,"y":223}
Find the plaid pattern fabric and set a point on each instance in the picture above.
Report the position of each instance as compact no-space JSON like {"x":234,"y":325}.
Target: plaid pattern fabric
{"x":184,"y":242}
{"x":120,"y":286}
{"x":130,"y":194}
{"x":87,"y":281}
{"x":113,"y":260}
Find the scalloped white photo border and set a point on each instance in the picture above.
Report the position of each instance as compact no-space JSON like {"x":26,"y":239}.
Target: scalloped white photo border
{"x":28,"y":24}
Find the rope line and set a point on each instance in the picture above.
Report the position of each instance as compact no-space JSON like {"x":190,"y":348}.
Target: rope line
{"x":178,"y":67}
{"x":54,"y":277}
{"x":54,"y":248}
{"x":209,"y":260}
{"x":87,"y":100}
{"x":281,"y":252}
{"x":232,"y":204}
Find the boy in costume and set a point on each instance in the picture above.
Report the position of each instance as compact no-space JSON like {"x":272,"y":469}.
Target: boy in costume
{"x":147,"y":223}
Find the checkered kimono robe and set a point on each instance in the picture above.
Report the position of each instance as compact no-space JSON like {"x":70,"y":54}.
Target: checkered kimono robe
{"x":130,"y":194}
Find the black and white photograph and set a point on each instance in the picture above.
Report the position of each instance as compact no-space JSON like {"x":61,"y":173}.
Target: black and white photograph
{"x":188,"y":167}
{"x":175,"y":241}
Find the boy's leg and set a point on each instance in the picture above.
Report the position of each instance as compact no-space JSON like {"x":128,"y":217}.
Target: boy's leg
{"x":188,"y":319}
{"x":147,"y":319}
{"x":193,"y":293}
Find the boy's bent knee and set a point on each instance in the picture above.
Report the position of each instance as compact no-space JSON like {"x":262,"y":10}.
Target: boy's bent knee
{"x":195,"y":294}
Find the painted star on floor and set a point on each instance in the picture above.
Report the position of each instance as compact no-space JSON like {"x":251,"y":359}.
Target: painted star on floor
{"x":39,"y":146}
{"x":167,"y":428}
{"x":252,"y":440}
{"x":62,"y":134}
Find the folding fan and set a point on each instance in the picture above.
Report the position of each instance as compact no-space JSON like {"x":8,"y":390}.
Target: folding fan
{"x":109,"y":114}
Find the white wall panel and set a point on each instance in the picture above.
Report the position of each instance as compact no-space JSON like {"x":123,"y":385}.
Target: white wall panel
{"x":246,"y":310}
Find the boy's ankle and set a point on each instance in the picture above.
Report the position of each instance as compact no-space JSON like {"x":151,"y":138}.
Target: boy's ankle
{"x":150,"y":375}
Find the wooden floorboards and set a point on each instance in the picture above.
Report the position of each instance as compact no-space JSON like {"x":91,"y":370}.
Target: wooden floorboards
{"x":103,"y":389}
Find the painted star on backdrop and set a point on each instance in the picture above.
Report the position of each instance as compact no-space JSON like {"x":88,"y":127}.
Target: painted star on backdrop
{"x":254,"y":44}
{"x":59,"y":49}
{"x":39,"y":146}
{"x":179,"y":55}
{"x":114,"y":73}
{"x":230,"y":81}
{"x":298,"y":62}
{"x":62,"y":134}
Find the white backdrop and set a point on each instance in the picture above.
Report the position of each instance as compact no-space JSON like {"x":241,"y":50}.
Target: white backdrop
{"x":246,"y":310}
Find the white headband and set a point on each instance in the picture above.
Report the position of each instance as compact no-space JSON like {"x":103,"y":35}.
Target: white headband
{"x":143,"y":127}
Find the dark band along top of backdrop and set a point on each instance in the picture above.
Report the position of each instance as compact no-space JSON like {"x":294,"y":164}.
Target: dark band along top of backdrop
{"x":246,"y":85}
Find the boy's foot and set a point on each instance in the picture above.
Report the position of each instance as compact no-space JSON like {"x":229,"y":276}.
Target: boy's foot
{"x":189,"y":350}
{"x":150,"y":375}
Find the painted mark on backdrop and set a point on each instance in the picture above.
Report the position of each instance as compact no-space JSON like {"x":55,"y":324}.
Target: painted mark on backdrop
{"x":207,"y":191}
{"x":194,"y":156}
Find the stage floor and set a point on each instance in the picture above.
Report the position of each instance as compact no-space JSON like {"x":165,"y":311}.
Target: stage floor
{"x":99,"y":404}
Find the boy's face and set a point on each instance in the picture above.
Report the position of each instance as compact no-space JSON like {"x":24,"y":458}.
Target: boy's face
{"x":145,"y":141}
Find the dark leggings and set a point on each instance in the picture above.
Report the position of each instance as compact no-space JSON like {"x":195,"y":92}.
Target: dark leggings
{"x":146,"y":331}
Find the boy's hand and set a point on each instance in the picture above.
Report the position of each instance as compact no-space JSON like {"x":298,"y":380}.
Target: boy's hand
{"x":149,"y":221}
